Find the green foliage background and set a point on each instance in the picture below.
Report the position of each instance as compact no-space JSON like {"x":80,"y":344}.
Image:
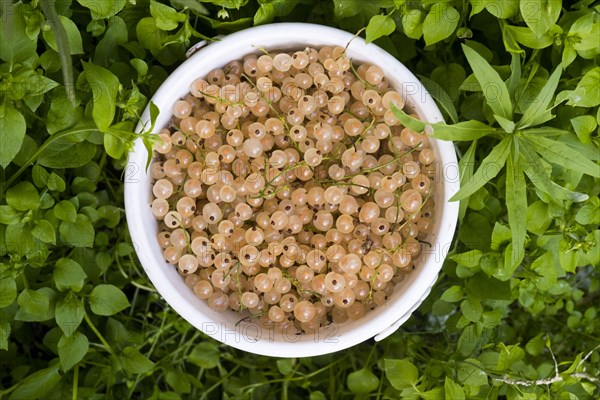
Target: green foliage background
{"x":514,"y":313}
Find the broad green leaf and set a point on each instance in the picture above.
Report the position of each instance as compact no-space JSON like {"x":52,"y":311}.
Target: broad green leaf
{"x":366,"y":9}
{"x":589,"y":214}
{"x":540,"y":15}
{"x":412,"y":23}
{"x":583,"y":34}
{"x":68,"y":275}
{"x":193,"y":5}
{"x":34,"y":305}
{"x":73,"y":36}
{"x":135,"y":362}
{"x":541,"y":102}
{"x":362,"y":381}
{"x":79,"y":233}
{"x":546,"y":277}
{"x":487,"y":288}
{"x":380,"y":25}
{"x":107,"y":300}
{"x":516,"y":203}
{"x":440,"y":23}
{"x":462,"y":131}
{"x":502,"y":9}
{"x":449,"y":77}
{"x":115,"y":35}
{"x":471,"y":309}
{"x":65,"y":211}
{"x":20,"y":48}
{"x":466,"y":165}
{"x":62,"y":153}
{"x":72,"y":349}
{"x":489,"y":168}
{"x":560,"y":153}
{"x":509,"y":355}
{"x":44,"y":231}
{"x":471,"y":373}
{"x":515,"y":73}
{"x":149,"y":35}
{"x":37,"y":385}
{"x":587,"y":92}
{"x":8,"y":215}
{"x":69,"y":312}
{"x":452,"y":390}
{"x":494,"y":88}
{"x":105,"y":86}
{"x":526,"y":37}
{"x":12,"y":126}
{"x":103,"y":9}
{"x":205,"y":355}
{"x":23,"y":196}
{"x":584,"y":125}
{"x":453,"y":294}
{"x":401,"y":373}
{"x":8,"y":292}
{"x":27,"y":84}
{"x":167,"y":18}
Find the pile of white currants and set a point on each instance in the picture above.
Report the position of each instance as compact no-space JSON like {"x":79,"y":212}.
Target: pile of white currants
{"x":286,"y":186}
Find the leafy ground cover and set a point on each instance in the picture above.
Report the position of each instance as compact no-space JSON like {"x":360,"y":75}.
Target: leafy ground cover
{"x":514,"y":313}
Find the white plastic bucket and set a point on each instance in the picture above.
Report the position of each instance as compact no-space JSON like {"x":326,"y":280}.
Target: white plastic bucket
{"x":250,"y":336}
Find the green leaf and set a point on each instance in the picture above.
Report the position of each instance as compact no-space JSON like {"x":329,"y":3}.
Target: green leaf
{"x":73,"y":36}
{"x":149,"y":35}
{"x":516,"y":203}
{"x":412,"y":23}
{"x":34,"y":305}
{"x":587,"y":92}
{"x":440,"y":23}
{"x":515,"y":74}
{"x":538,"y":219}
{"x":64,"y":154}
{"x":484,"y":288}
{"x":37,"y":385}
{"x":20,"y":48}
{"x":533,"y":166}
{"x":79,"y":233}
{"x":380,"y":25}
{"x":462,"y":131}
{"x":4,"y":334}
{"x":362,"y":381}
{"x":489,"y":168}
{"x":8,"y":215}
{"x":72,"y":349}
{"x":494,"y":88}
{"x":539,"y":106}
{"x":526,"y":37}
{"x":402,"y":374}
{"x":135,"y":362}
{"x":68,"y":275}
{"x":441,"y":97}
{"x":105,"y":86}
{"x":471,"y":309}
{"x":540,"y":15}
{"x":509,"y":355}
{"x":589,"y":214}
{"x":452,"y":294}
{"x":584,"y":125}
{"x":103,"y":9}
{"x":44,"y":231}
{"x":546,"y":277}
{"x":469,"y":259}
{"x":506,"y":124}
{"x":471,"y":373}
{"x":107,"y":300}
{"x":56,"y":183}
{"x":8,"y":292}
{"x":12,"y":126}
{"x":466,"y":165}
{"x":502,"y":9}
{"x":560,"y":153}
{"x":167,"y":18}
{"x":205,"y":355}
{"x":452,"y":390}
{"x":65,"y":211}
{"x":23,"y":196}
{"x":69,"y":312}
{"x":412,"y":123}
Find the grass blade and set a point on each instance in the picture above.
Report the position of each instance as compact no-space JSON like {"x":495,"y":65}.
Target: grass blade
{"x":494,"y":88}
{"x":560,"y":153}
{"x":415,"y":124}
{"x":535,"y":113}
{"x":516,"y":204}
{"x":489,"y":168}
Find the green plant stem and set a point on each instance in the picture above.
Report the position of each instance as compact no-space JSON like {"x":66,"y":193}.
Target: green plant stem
{"x":75,"y":381}
{"x":98,"y":334}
